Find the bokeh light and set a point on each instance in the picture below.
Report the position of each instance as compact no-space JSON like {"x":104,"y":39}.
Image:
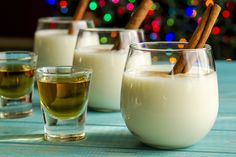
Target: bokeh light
{"x":194,"y":13}
{"x":53,"y":25}
{"x":215,"y":30}
{"x":51,"y":2}
{"x":155,"y":26}
{"x":131,"y":1}
{"x":189,"y":11}
{"x":107,"y":17}
{"x":153,"y":36}
{"x":155,"y":58}
{"x":64,"y":10}
{"x":63,"y":4}
{"x":93,"y":5}
{"x":103,"y":40}
{"x":169,"y":36}
{"x":230,"y":5}
{"x":130,"y":6}
{"x":101,"y":3}
{"x":120,"y":10}
{"x":113,"y":34}
{"x":181,"y":45}
{"x":115,"y":1}
{"x":172,"y":60}
{"x":166,"y":20}
{"x":170,"y":22}
{"x":226,"y":14}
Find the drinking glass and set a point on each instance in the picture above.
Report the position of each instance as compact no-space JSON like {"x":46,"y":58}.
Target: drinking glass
{"x":63,"y":92}
{"x":16,"y":83}
{"x":167,"y":110}
{"x":53,"y":41}
{"x":105,"y":51}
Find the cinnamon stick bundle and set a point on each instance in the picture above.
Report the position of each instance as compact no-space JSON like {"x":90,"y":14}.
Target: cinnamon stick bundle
{"x":198,"y":38}
{"x":136,"y":19}
{"x":79,"y":13}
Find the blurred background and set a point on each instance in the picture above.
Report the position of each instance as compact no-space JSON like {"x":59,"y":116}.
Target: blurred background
{"x":167,"y":20}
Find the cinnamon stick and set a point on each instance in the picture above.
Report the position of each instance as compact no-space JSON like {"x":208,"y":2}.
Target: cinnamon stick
{"x":198,"y":38}
{"x":79,"y":13}
{"x":140,"y":14}
{"x":136,"y":19}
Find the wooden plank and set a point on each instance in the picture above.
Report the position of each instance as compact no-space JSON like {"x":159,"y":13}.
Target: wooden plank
{"x":116,"y":137}
{"x":23,"y":150}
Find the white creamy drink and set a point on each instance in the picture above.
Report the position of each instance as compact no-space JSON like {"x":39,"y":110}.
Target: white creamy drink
{"x":169,"y":110}
{"x":108,"y":66}
{"x":54,"y":47}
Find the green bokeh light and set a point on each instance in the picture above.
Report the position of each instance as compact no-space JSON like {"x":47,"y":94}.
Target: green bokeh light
{"x":103,"y":40}
{"x":131,"y":1}
{"x":154,"y":6}
{"x":93,"y":5}
{"x":168,"y":51}
{"x":170,"y":21}
{"x":107,"y":17}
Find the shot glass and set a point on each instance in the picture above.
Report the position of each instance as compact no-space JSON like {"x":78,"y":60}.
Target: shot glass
{"x":17,"y":70}
{"x":63,"y":92}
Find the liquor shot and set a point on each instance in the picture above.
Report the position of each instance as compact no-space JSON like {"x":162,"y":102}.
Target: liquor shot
{"x":63,"y":92}
{"x":17,"y":70}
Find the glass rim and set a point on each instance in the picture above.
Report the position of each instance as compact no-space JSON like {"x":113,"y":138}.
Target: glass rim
{"x":103,"y":29}
{"x":60,"y":19}
{"x":137,"y":46}
{"x":29,"y":55}
{"x":45,"y":70}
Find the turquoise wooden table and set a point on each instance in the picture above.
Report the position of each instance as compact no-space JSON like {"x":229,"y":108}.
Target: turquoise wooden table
{"x":107,"y":134}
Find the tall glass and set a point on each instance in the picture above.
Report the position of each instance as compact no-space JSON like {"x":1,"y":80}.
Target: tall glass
{"x":95,"y":49}
{"x":167,"y":110}
{"x":16,"y":83}
{"x":55,"y":39}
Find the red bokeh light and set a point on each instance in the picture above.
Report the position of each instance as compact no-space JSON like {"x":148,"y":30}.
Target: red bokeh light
{"x":63,"y":4}
{"x":226,"y":14}
{"x":150,"y":12}
{"x":230,"y":5}
{"x":120,"y":10}
{"x":101,"y":3}
{"x":215,"y":30}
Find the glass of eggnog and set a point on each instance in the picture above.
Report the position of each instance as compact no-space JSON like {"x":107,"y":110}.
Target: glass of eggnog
{"x":105,"y":51}
{"x":165,"y":109}
{"x":55,"y":40}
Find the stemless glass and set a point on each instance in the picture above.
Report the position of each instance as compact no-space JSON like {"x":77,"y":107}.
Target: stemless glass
{"x":167,"y":110}
{"x":16,"y":83}
{"x":95,"y":49}
{"x":54,"y":43}
{"x":63,"y":92}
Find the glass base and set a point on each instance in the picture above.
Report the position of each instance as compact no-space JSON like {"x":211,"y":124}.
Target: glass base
{"x":64,"y":138}
{"x":14,"y":115}
{"x":64,"y":129}
{"x":16,"y":108}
